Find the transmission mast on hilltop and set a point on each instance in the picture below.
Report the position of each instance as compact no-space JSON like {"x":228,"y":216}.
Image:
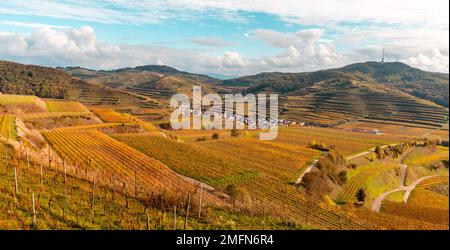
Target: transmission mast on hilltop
{"x":382,"y":58}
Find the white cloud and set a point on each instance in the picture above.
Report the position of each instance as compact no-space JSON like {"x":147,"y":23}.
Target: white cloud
{"x":234,"y":60}
{"x":303,"y":50}
{"x":413,"y":31}
{"x":31,"y":25}
{"x":300,"y":51}
{"x":211,"y":41}
{"x":432,"y":60}
{"x":430,"y":13}
{"x":79,"y":47}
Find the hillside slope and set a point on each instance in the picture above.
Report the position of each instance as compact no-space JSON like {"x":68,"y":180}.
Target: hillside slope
{"x":34,"y":80}
{"x":153,"y":81}
{"x":398,"y":76}
{"x":388,"y":93}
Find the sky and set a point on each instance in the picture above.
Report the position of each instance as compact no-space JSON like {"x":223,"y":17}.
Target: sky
{"x":225,"y":37}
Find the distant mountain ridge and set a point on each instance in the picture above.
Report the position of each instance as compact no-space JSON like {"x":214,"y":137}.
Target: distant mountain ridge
{"x":56,"y":83}
{"x":427,"y":85}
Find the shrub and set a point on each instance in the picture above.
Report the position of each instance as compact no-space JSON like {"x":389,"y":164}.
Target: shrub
{"x":235,"y":133}
{"x":342,"y":177}
{"x":238,"y":195}
{"x":317,"y":146}
{"x":314,"y":183}
{"x":361,"y":195}
{"x":165,"y":126}
{"x":203,"y":138}
{"x":215,"y":136}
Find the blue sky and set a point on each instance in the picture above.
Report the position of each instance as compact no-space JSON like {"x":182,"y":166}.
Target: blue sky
{"x":225,"y":37}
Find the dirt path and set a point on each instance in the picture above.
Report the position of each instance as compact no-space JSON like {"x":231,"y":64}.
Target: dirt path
{"x":376,"y":205}
{"x":372,"y":150}
{"x":314,"y":163}
{"x":307,"y":170}
{"x":358,"y":155}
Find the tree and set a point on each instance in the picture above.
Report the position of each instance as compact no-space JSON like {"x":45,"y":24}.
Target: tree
{"x":380,"y":152}
{"x":165,"y":126}
{"x":238,"y":195}
{"x":342,"y":177}
{"x":361,"y":196}
{"x":234,"y":132}
{"x":215,"y":136}
{"x":373,"y":157}
{"x":315,"y":183}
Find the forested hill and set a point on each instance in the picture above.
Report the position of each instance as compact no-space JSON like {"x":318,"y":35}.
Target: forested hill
{"x":58,"y":82}
{"x":427,"y":85}
{"x":34,"y":80}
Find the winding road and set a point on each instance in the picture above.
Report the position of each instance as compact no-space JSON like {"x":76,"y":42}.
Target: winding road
{"x":376,"y":205}
{"x":315,"y":161}
{"x":307,"y":170}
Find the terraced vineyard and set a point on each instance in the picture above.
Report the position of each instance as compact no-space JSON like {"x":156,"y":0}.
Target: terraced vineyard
{"x":434,"y":180}
{"x":284,"y":162}
{"x":352,"y":187}
{"x":46,"y":115}
{"x":99,"y":152}
{"x":153,"y":93}
{"x":190,"y":160}
{"x":427,"y":208}
{"x":405,"y":129}
{"x":267,"y":193}
{"x":111,"y":116}
{"x":8,"y":127}
{"x":357,"y":182}
{"x":346,"y":142}
{"x":285,"y":200}
{"x":65,"y":106}
{"x":17,"y":99}
{"x":427,"y":156}
{"x":369,"y":106}
{"x":96,"y":95}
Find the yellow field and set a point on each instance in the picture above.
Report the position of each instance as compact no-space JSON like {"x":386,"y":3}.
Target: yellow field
{"x":190,"y":160}
{"x":7,"y":127}
{"x":432,"y":181}
{"x":17,"y":99}
{"x":47,"y":115}
{"x":357,"y":180}
{"x":393,"y":129}
{"x":217,"y":163}
{"x":111,"y":116}
{"x":65,"y":106}
{"x":98,"y":152}
{"x":423,"y":205}
{"x":346,"y":142}
{"x":426,"y":156}
{"x":191,"y":135}
{"x":284,"y":162}
{"x":284,"y":200}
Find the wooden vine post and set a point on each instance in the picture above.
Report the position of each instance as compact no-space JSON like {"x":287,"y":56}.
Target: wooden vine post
{"x":6,"y":160}
{"x":187,"y":212}
{"x":93,"y":198}
{"x":28,"y":160}
{"x":65,"y":172}
{"x":34,"y":210}
{"x":49,"y":158}
{"x":41,"y":175}
{"x":148,"y":220}
{"x":200,"y":201}
{"x":135,"y":181}
{"x":16,"y":180}
{"x":174,"y":217}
